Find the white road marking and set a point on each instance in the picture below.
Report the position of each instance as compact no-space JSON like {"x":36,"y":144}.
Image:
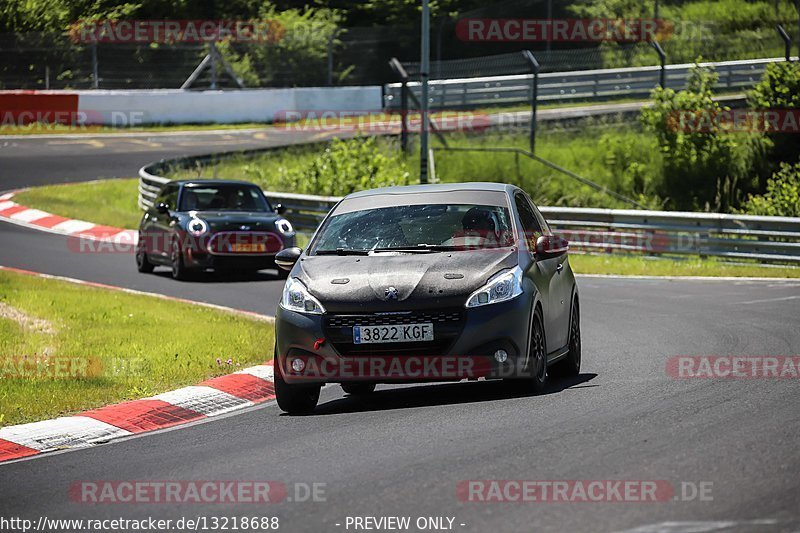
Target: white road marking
{"x":73,"y":226}
{"x":696,"y":527}
{"x":202,"y":399}
{"x":29,"y":215}
{"x":66,"y":432}
{"x":266,"y":372}
{"x":768,"y":300}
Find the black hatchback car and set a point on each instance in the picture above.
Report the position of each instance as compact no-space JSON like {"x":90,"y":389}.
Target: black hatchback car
{"x":212,"y":224}
{"x":426,"y":283}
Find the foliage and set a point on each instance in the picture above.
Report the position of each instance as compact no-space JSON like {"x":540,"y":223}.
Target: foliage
{"x":342,"y":167}
{"x":298,"y":54}
{"x":782,"y":197}
{"x":703,"y":167}
{"x":779,"y":89}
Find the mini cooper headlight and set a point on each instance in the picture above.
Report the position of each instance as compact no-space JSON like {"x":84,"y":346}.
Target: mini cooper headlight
{"x":297,"y":298}
{"x":502,"y":287}
{"x":197,"y":227}
{"x":284,"y":226}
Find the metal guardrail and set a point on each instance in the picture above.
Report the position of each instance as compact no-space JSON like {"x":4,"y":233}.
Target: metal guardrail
{"x":583,"y":84}
{"x":766,"y":239}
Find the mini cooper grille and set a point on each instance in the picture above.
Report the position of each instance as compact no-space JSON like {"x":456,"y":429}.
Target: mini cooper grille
{"x":447,"y":326}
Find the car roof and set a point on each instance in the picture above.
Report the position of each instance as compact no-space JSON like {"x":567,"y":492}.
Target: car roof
{"x":202,"y":182}
{"x":438,"y":187}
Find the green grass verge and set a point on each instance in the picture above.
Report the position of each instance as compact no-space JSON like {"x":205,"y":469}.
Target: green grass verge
{"x":107,"y":202}
{"x":630,"y":265}
{"x":132,"y":346}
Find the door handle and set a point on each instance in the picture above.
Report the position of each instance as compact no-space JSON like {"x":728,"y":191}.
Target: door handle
{"x":559,"y":268}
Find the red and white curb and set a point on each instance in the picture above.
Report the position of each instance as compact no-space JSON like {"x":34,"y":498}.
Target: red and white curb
{"x":213,"y":397}
{"x":21,"y":215}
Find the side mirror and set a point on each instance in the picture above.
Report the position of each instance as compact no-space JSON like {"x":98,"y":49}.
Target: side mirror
{"x":279,"y":208}
{"x":162,"y":208}
{"x":286,"y":259}
{"x":548,"y":246}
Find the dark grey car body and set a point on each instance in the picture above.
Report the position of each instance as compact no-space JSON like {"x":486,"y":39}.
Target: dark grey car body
{"x":431,"y":287}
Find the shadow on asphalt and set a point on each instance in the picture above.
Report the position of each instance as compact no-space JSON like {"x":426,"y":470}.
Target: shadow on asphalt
{"x":444,"y":394}
{"x":231,"y":276}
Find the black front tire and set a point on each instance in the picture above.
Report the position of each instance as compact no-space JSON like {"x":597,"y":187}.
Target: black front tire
{"x":179,"y":270}
{"x":570,"y":366}
{"x":143,"y":264}
{"x":358,"y":389}
{"x":295,"y":399}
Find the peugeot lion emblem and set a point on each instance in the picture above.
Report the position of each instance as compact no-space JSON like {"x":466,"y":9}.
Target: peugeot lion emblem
{"x":391,"y":293}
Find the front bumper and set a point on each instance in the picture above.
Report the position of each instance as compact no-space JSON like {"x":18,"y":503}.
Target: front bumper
{"x":461,"y":349}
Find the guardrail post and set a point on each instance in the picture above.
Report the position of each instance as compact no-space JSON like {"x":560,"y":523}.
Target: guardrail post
{"x":787,"y":41}
{"x":95,"y":67}
{"x":534,"y":94}
{"x":662,"y":57}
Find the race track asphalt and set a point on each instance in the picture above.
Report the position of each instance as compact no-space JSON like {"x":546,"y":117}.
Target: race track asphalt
{"x":403,"y":451}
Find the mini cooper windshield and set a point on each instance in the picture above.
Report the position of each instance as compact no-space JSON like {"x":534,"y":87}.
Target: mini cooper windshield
{"x":223,"y":198}
{"x":416,"y":228}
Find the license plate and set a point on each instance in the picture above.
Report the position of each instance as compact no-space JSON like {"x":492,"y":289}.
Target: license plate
{"x":400,"y":333}
{"x":249,"y":248}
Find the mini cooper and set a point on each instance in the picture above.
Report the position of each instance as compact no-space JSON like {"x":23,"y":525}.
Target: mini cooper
{"x":212,"y":224}
{"x":426,"y":283}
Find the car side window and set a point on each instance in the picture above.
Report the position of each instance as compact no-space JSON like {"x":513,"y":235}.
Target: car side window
{"x":530,"y":224}
{"x":169,"y":196}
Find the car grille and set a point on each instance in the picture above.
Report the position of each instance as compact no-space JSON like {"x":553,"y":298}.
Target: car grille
{"x":447,"y":326}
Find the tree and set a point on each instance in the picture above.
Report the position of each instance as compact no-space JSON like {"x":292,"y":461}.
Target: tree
{"x":706,"y":166}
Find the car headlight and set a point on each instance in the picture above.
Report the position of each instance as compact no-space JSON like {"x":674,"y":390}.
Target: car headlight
{"x":197,"y":227}
{"x":502,"y":287}
{"x":284,"y":226}
{"x":297,"y":298}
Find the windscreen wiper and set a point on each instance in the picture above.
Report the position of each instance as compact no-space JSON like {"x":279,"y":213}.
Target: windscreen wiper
{"x":420,"y":248}
{"x":342,"y":251}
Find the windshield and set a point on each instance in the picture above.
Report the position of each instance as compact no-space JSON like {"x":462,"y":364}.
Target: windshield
{"x":223,"y":198}
{"x":449,"y":226}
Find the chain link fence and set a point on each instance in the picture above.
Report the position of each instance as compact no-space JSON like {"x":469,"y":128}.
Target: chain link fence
{"x":352,"y":56}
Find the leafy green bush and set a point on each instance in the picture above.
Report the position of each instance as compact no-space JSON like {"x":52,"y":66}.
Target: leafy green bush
{"x":299,"y":53}
{"x":779,"y":89}
{"x":782,"y":197}
{"x":703,"y":169}
{"x":343,"y":167}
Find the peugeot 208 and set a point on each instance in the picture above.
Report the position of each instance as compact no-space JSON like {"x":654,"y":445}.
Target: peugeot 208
{"x":426,"y":283}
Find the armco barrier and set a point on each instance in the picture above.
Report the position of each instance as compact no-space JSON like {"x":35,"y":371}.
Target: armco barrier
{"x":766,"y":239}
{"x":582,"y":84}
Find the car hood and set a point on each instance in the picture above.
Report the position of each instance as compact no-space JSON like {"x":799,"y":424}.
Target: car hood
{"x":353,"y":284}
{"x":234,"y":220}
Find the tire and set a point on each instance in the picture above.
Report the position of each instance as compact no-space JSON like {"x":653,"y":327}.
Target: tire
{"x":295,"y":399}
{"x":570,"y":366}
{"x":179,"y":270}
{"x":143,"y":264}
{"x":537,"y":355}
{"x":358,"y":389}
